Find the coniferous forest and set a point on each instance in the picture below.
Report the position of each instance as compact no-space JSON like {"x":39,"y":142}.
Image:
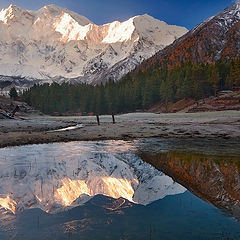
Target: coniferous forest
{"x":137,"y":91}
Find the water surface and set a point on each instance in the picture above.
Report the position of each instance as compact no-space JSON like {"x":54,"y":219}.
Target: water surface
{"x":104,"y":190}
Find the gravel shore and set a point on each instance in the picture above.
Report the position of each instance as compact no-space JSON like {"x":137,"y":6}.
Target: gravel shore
{"x":40,"y":129}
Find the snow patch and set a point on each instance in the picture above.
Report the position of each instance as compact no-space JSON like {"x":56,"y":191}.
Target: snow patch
{"x":119,"y":32}
{"x":70,"y":29}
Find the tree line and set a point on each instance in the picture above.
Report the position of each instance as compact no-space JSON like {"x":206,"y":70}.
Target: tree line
{"x":136,"y":91}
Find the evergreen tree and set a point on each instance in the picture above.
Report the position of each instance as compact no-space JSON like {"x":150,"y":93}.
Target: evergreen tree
{"x":233,"y":80}
{"x":139,"y":91}
{"x":13,"y":93}
{"x":166,"y":93}
{"x":214,"y":78}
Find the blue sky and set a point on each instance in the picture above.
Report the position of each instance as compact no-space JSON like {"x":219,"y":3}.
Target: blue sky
{"x":186,"y":13}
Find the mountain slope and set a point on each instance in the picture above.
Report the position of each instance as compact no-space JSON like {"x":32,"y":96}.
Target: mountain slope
{"x":216,"y":38}
{"x":55,"y":44}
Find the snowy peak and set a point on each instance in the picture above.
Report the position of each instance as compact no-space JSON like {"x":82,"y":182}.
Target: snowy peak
{"x":50,"y":11}
{"x":56,"y":44}
{"x":144,"y":26}
{"x":56,"y":11}
{"x":70,"y":29}
{"x":10,"y":13}
{"x":119,"y":32}
{"x":230,"y":15}
{"x":157,"y":31}
{"x":237,"y":5}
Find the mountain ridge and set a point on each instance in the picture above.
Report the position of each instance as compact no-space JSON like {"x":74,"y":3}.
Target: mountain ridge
{"x":214,"y":39}
{"x":55,"y":44}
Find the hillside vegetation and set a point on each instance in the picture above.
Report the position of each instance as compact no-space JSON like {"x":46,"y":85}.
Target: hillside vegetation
{"x":138,"y":91}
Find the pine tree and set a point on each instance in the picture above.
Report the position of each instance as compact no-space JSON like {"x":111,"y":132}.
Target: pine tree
{"x":13,"y":93}
{"x":233,"y":79}
{"x":138,"y":91}
{"x":214,"y":79}
{"x":166,"y":93}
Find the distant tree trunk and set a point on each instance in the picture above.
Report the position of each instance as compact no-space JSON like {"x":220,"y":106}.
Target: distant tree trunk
{"x":113,"y":118}
{"x":98,"y":120}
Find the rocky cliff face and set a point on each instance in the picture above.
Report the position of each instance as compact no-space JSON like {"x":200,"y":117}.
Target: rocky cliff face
{"x":55,"y":44}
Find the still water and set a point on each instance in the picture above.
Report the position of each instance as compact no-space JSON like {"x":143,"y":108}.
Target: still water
{"x":146,"y":189}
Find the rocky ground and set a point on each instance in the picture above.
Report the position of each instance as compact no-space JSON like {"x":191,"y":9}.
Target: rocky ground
{"x":222,"y":102}
{"x":40,"y":129}
{"x":8,"y":105}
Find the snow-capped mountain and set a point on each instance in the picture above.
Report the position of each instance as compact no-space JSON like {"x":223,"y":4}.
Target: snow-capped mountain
{"x":55,"y":44}
{"x":57,"y":176}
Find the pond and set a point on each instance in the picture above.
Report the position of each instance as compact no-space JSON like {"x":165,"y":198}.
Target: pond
{"x":145,"y":189}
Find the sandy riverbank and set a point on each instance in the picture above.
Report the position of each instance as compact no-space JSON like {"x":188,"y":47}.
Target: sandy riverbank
{"x":38,"y":129}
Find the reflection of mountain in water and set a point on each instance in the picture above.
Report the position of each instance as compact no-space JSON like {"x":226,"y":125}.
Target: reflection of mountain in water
{"x":182,"y":216}
{"x":53,"y":177}
{"x":214,"y":178}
